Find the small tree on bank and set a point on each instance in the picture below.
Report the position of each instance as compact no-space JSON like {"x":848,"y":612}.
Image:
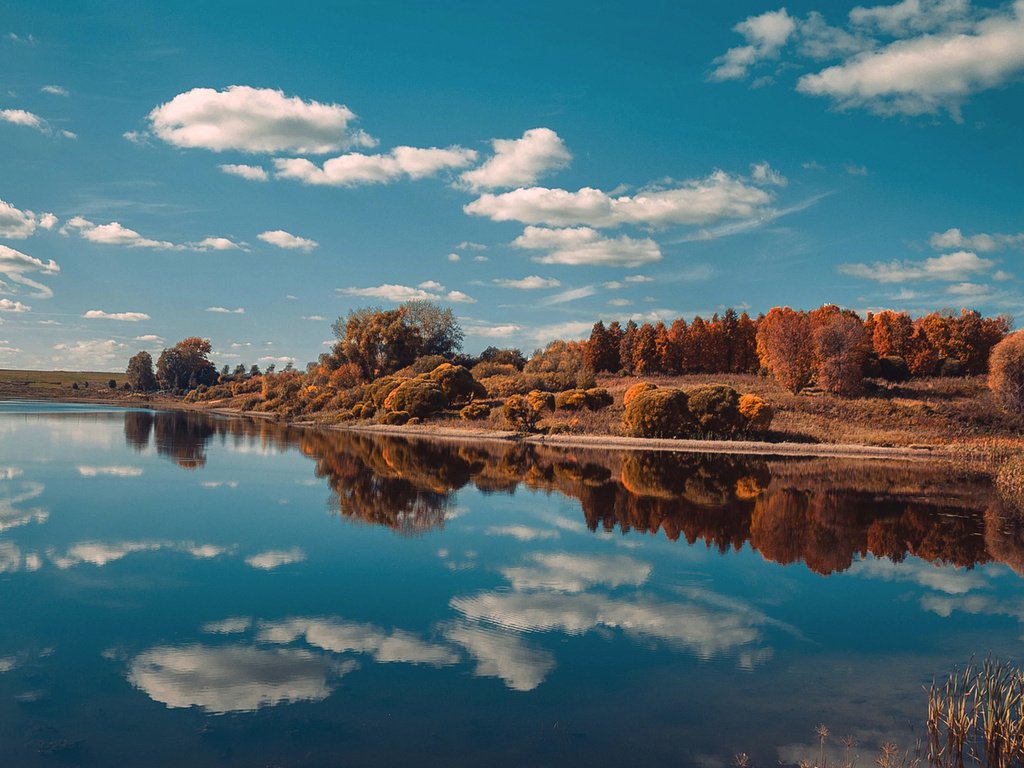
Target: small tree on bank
{"x":140,"y":373}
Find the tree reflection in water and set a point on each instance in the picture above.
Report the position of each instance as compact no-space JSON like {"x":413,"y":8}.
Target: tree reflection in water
{"x":824,"y":513}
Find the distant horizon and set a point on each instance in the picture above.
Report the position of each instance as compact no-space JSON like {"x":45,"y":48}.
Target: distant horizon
{"x":182,"y":170}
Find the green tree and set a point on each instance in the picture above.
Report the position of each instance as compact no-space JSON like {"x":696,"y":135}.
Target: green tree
{"x":436,"y":325}
{"x":140,"y":373}
{"x":186,"y":365}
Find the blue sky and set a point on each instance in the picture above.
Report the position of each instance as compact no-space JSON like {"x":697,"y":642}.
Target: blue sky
{"x":250,"y":172}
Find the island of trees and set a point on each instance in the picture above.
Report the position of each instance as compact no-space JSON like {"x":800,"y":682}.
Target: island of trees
{"x":787,"y":374}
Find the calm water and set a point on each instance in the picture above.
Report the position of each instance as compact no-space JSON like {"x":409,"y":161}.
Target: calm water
{"x":181,"y":590}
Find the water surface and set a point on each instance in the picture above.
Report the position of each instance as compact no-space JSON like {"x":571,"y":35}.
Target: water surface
{"x":179,"y":589}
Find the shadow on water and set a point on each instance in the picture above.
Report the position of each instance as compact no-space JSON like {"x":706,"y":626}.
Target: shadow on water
{"x":824,"y":513}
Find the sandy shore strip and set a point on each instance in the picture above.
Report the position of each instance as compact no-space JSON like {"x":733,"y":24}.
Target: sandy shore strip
{"x":618,"y":443}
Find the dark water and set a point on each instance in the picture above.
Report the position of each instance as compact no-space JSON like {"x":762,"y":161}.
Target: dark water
{"x":181,"y":590}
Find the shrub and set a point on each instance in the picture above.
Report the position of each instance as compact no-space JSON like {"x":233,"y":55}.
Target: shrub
{"x":637,"y":389}
{"x":1006,"y":372}
{"x":520,"y":413}
{"x":541,"y":401}
{"x":475,"y":412}
{"x":414,"y":420}
{"x":376,"y":392}
{"x":112,"y":384}
{"x":659,"y":413}
{"x":715,"y":409}
{"x":892,"y":368}
{"x":424,"y":364}
{"x":457,"y":384}
{"x":395,"y":418}
{"x":756,"y":412}
{"x":486,"y":369}
{"x":598,"y":398}
{"x":570,"y":400}
{"x":951,"y":366}
{"x":416,"y":397}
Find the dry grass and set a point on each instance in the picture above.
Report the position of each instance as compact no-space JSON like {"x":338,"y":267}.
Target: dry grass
{"x":54,"y":385}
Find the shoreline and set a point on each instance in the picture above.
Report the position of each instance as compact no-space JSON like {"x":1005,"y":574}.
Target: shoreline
{"x":568,"y":441}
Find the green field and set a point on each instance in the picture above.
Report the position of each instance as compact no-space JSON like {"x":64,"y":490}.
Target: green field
{"x":57,"y":383}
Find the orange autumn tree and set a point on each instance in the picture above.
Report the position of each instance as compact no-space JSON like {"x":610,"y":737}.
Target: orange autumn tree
{"x":785,"y":346}
{"x":840,"y":350}
{"x":890,"y":334}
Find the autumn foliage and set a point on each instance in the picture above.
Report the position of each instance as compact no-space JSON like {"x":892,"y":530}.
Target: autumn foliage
{"x":1006,"y":372}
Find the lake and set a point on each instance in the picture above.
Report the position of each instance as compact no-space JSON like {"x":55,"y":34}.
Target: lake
{"x":181,"y":589}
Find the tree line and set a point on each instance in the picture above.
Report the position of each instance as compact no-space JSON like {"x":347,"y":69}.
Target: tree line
{"x":831,"y":347}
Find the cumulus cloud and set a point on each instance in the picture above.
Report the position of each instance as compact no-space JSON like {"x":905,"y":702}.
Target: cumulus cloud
{"x":255,"y":120}
{"x":927,"y":73}
{"x":355,"y":168}
{"x":286,"y":240}
{"x":226,"y":311}
{"x":981,"y":242}
{"x":952,"y":581}
{"x":337,"y":636}
{"x":233,"y":678}
{"x":16,"y":266}
{"x":491,"y":331}
{"x":522,"y":532}
{"x":17,"y":224}
{"x":519,"y":162}
{"x":765,"y":34}
{"x":150,"y":337}
{"x":113,"y":233}
{"x":21,"y":117}
{"x":528,"y":283}
{"x":275,"y":558}
{"x":55,"y":90}
{"x":130,"y":317}
{"x":6,"y":305}
{"x":110,"y":471}
{"x":585,"y":246}
{"x":250,"y":172}
{"x":402,"y":293}
{"x":912,"y":57}
{"x":503,"y":655}
{"x":697,"y":201}
{"x":950,"y":267}
{"x":563,"y":572}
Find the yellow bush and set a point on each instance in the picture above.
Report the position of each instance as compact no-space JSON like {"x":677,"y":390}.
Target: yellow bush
{"x":658,"y":413}
{"x":541,"y":401}
{"x":637,"y":389}
{"x":757,"y":413}
{"x":475,"y":412}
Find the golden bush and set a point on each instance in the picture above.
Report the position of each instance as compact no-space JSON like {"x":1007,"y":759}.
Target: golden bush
{"x":659,"y":413}
{"x":637,"y":389}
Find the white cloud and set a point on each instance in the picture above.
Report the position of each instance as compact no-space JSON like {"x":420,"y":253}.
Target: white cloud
{"x":217,"y":244}
{"x":111,"y":471}
{"x":638,"y":279}
{"x":226,"y":311}
{"x":950,"y":267}
{"x":763,"y":173}
{"x":403,"y":293}
{"x":92,"y":354}
{"x":15,"y":265}
{"x":356,"y":168}
{"x":765,"y":35}
{"x":984,"y":243}
{"x":563,"y":572}
{"x":910,"y":16}
{"x":55,"y":90}
{"x":339,"y":636}
{"x":275,"y":558}
{"x":504,"y":655}
{"x":571,"y":329}
{"x":522,"y":532}
{"x":952,"y":581}
{"x":21,"y":117}
{"x":254,"y":120}
{"x":572,"y":294}
{"x":469,"y":245}
{"x":229,"y":626}
{"x":586,"y":246}
{"x":113,"y":233}
{"x":12,"y":516}
{"x":968,"y":290}
{"x":17,"y":224}
{"x":619,"y":302}
{"x":697,"y":201}
{"x":496,"y":331}
{"x":286,"y":240}
{"x":6,"y":305}
{"x":150,"y":337}
{"x":529,"y":283}
{"x":704,"y":623}
{"x":231,"y":678}
{"x":924,"y":74}
{"x":317,"y":318}
{"x":454,"y":257}
{"x":519,"y":162}
{"x":131,"y":317}
{"x":249,"y":172}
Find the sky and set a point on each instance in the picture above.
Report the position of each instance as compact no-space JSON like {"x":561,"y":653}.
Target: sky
{"x":250,"y":172}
